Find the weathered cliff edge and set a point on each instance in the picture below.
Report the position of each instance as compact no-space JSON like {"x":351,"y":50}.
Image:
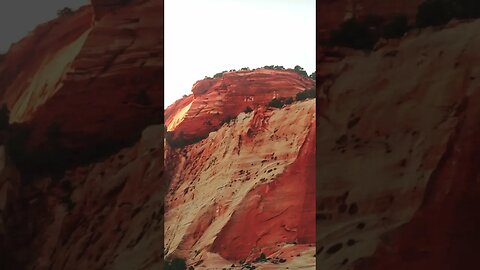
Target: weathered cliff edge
{"x":247,"y":189}
{"x":214,"y":100}
{"x":397,"y":138}
{"x":99,"y":77}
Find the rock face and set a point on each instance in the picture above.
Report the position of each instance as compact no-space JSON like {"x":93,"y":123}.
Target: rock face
{"x":109,"y":71}
{"x":396,"y":176}
{"x":247,"y":189}
{"x":108,"y":215}
{"x":98,"y":74}
{"x":215,"y":100}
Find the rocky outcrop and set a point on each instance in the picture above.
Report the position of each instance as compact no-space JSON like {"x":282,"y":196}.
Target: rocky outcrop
{"x":215,"y":100}
{"x":109,"y":71}
{"x":97,"y":75}
{"x":245,"y":190}
{"x":396,"y":177}
{"x":108,"y":215}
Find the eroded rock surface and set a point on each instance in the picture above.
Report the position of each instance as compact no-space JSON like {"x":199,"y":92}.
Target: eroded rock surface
{"x":395,"y":167}
{"x":99,"y":79}
{"x":214,"y":100}
{"x":247,"y":189}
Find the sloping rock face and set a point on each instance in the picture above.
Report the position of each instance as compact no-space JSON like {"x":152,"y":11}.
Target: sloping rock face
{"x":396,"y":166}
{"x":215,"y":100}
{"x":108,"y":215}
{"x":98,"y":74}
{"x":247,"y":189}
{"x":100,"y":80}
{"x":32,"y":67}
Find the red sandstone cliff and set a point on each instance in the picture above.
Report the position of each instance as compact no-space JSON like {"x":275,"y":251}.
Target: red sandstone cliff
{"x":247,"y":189}
{"x":99,"y":79}
{"x":397,"y":175}
{"x":214,"y":100}
{"x":98,"y":74}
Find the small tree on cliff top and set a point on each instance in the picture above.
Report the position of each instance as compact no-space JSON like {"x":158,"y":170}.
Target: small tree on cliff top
{"x":300,"y":71}
{"x":66,"y":11}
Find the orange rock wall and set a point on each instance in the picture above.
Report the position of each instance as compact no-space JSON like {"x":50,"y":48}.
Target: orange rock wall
{"x":216,"y":99}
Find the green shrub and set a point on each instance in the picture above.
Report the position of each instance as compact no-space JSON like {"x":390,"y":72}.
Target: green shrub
{"x":300,"y":71}
{"x":219,"y":75}
{"x":306,"y":94}
{"x":313,"y":76}
{"x":276,"y":103}
{"x":176,"y":264}
{"x":261,"y":258}
{"x":397,"y":27}
{"x":353,"y":34}
{"x":289,"y":100}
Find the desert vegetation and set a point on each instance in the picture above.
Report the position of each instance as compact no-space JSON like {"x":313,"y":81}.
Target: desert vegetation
{"x":363,"y":33}
{"x":66,"y":11}
{"x":439,"y":12}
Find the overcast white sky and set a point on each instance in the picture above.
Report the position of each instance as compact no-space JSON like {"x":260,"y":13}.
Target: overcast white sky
{"x":203,"y":37}
{"x":18,"y":17}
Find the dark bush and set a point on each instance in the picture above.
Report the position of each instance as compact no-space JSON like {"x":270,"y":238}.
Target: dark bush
{"x":248,"y":109}
{"x":300,"y":71}
{"x":276,"y":103}
{"x":397,"y":27}
{"x":4,"y":118}
{"x":245,"y":68}
{"x":306,"y":94}
{"x":68,"y":203}
{"x":176,"y":264}
{"x":289,"y":100}
{"x":353,"y":34}
{"x":373,"y":21}
{"x":143,"y":98}
{"x":435,"y":12}
{"x":180,"y":141}
{"x":66,"y":11}
{"x":313,"y":76}
{"x":228,"y":119}
{"x":439,"y":12}
{"x":272,"y":67}
{"x":219,"y":75}
{"x":50,"y":157}
{"x":468,"y":9}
